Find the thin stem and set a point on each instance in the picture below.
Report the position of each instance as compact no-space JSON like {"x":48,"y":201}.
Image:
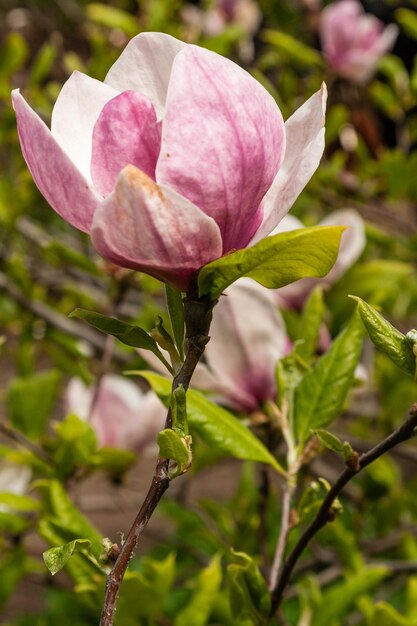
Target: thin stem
{"x":264,"y":492}
{"x":197,"y":314}
{"x":288,"y":490}
{"x":325,"y":513}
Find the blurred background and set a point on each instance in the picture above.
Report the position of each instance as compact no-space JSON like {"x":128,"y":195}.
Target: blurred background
{"x":47,"y":269}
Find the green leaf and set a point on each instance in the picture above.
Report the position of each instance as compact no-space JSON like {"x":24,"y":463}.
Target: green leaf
{"x":275,"y":261}
{"x":69,"y":522}
{"x":15,"y":502}
{"x":176,"y":315}
{"x":386,"y":615}
{"x":74,"y":446}
{"x":113,"y":460}
{"x":249,"y":596}
{"x":386,"y":338}
{"x":311,"y":321}
{"x":30,"y":401}
{"x":217,"y":427}
{"x":143,"y":593}
{"x":198,"y":609}
{"x":176,"y":448}
{"x":322,"y":392}
{"x":340,"y":599}
{"x":408,"y":20}
{"x":56,"y":558}
{"x":112,"y":17}
{"x":294,"y":49}
{"x":130,"y":335}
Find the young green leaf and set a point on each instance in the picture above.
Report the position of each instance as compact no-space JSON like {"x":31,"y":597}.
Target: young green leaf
{"x":128,"y":334}
{"x":333,"y":443}
{"x":56,"y":558}
{"x":179,"y":411}
{"x":217,"y":427}
{"x":386,"y":338}
{"x":321,"y":394}
{"x":176,"y":448}
{"x":311,"y":321}
{"x":249,"y":596}
{"x":275,"y":261}
{"x":176,"y":316}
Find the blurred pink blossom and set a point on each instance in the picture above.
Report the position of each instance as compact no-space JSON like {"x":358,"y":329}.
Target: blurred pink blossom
{"x":353,"y":41}
{"x":244,"y":15}
{"x":122,"y":415}
{"x":247,"y":339}
{"x":177,"y":158}
{"x":351,"y":247}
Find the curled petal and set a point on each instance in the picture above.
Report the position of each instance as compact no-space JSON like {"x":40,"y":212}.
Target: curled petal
{"x":55,"y":175}
{"x":305,"y":144}
{"x":223,"y":141}
{"x":247,"y":339}
{"x":145,"y":66}
{"x":126,"y":132}
{"x":151,"y":228}
{"x":76,"y":110}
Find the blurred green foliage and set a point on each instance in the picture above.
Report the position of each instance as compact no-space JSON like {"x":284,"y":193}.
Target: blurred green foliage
{"x":362,"y":568}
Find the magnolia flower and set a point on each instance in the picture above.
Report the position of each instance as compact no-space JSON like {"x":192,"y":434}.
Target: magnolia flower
{"x":352,"y":41}
{"x":179,"y":157}
{"x":351,"y":247}
{"x":122,"y":415}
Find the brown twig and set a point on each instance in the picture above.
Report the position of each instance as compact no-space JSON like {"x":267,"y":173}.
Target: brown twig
{"x":325,"y":513}
{"x":197,"y":316}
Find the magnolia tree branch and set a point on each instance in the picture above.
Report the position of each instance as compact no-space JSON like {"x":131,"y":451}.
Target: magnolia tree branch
{"x":197,"y":317}
{"x":326,"y":514}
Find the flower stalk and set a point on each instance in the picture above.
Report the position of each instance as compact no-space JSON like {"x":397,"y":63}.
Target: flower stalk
{"x":197,"y":316}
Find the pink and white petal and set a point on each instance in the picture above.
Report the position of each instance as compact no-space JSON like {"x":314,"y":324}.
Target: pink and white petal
{"x":151,"y":228}
{"x":145,"y":66}
{"x":223,"y":141}
{"x":55,"y":175}
{"x":352,"y":244}
{"x":305,"y":145}
{"x":247,"y":339}
{"x":76,"y":110}
{"x":126,"y":132}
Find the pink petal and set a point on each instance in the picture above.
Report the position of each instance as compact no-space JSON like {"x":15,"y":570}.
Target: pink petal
{"x":126,"y":132}
{"x":145,"y":66}
{"x":56,"y":177}
{"x":153,"y":229}
{"x":247,"y":339}
{"x":305,"y":145}
{"x":76,"y":110}
{"x":223,"y":141}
